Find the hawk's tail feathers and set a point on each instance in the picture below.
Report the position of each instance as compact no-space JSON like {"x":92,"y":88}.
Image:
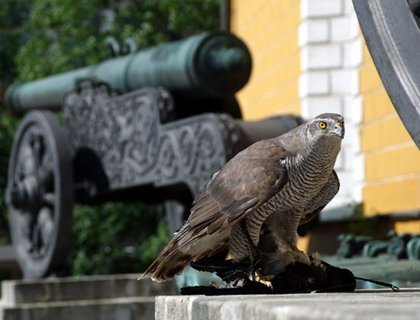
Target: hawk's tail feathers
{"x":168,"y":264}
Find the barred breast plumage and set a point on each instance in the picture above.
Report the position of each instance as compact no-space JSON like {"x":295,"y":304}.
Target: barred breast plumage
{"x":307,"y":177}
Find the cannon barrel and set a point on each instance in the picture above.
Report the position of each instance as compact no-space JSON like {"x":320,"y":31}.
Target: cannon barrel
{"x":211,"y":64}
{"x":253,"y":131}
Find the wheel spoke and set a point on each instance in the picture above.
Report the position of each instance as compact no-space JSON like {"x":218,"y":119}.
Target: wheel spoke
{"x":46,"y":225}
{"x":35,"y":239}
{"x":46,"y":165}
{"x":23,"y":220}
{"x":49,"y":198}
{"x":26,"y":161}
{"x":37,"y":149}
{"x":19,"y":172}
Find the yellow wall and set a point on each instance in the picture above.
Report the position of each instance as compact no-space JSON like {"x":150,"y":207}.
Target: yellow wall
{"x":392,"y":161}
{"x":270,"y":29}
{"x":407,"y":226}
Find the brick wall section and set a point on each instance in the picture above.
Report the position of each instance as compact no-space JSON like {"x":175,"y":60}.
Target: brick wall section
{"x":392,"y":161}
{"x":270,"y":29}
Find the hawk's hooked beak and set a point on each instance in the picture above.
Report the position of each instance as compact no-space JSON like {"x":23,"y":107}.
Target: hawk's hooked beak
{"x":339,"y":130}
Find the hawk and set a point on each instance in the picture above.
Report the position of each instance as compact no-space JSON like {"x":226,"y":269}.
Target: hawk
{"x":253,"y":206}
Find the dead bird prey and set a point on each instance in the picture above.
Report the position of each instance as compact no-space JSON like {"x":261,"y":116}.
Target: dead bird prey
{"x":253,"y":206}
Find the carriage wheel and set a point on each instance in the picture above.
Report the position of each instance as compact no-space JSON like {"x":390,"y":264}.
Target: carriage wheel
{"x":391,"y":29}
{"x":39,"y":194}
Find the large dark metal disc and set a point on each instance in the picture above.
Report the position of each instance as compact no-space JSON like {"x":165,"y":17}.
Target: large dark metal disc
{"x":39,"y":194}
{"x":392,"y":34}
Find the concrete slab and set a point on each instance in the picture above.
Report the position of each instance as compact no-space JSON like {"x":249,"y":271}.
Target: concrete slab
{"x":363,"y":304}
{"x":81,"y":288}
{"x":110,"y":297}
{"x":107,"y":309}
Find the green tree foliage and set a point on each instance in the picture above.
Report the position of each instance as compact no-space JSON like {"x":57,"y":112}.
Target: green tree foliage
{"x":68,"y":34}
{"x":61,"y":35}
{"x":152,"y":21}
{"x":7,"y":129}
{"x":106,"y":238}
{"x":39,"y":38}
{"x":12,"y":15}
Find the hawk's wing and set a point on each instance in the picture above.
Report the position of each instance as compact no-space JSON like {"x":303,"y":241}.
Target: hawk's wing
{"x":247,"y":181}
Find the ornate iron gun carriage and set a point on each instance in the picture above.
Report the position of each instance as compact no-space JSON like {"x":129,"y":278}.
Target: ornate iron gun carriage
{"x":153,"y":125}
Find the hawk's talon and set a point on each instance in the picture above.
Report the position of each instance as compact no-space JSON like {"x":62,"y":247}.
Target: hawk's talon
{"x":253,"y":267}
{"x":235,"y":275}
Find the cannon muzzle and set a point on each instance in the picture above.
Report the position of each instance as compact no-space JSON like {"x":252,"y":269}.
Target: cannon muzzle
{"x":211,"y":64}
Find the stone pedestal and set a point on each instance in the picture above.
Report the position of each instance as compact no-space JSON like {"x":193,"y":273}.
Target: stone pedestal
{"x":119,"y":297}
{"x":363,"y":304}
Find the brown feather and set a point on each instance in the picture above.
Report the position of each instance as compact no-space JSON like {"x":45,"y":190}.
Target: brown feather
{"x":248,"y":180}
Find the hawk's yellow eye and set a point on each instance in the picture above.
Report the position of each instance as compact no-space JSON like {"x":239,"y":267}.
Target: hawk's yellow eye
{"x":322,"y":125}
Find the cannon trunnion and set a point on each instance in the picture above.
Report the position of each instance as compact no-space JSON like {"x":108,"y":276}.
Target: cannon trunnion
{"x":155,"y":143}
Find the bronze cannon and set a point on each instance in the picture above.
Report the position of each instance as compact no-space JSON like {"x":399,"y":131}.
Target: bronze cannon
{"x":153,"y":125}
